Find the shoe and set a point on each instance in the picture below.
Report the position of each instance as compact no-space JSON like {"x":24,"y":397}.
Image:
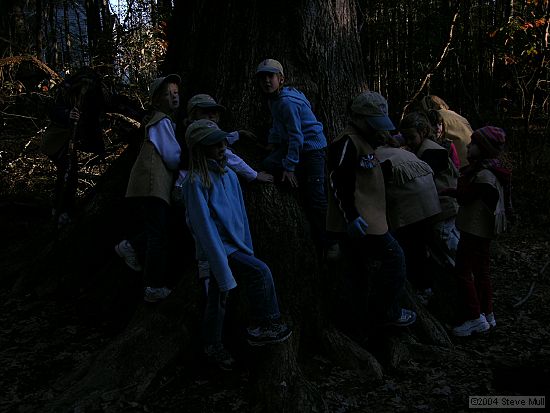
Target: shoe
{"x":406,"y":318}
{"x":63,"y":220}
{"x":274,"y":332}
{"x":217,"y":355}
{"x":125,"y":251}
{"x":490,"y":319}
{"x":153,"y":295}
{"x":477,"y":325}
{"x":424,"y":296}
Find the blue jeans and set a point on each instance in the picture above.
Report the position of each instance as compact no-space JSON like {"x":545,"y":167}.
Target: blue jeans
{"x":260,"y":289}
{"x":310,"y":173}
{"x":387,"y":284}
{"x":444,"y":242}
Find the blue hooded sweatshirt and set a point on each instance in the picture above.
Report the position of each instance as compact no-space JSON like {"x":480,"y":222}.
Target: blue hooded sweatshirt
{"x":218,"y":221}
{"x":295,"y":125}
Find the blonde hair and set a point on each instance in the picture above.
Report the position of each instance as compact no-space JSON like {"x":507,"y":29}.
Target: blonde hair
{"x":198,"y":165}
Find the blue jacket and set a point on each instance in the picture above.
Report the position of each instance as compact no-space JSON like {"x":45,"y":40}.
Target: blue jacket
{"x":218,"y":221}
{"x":295,"y":125}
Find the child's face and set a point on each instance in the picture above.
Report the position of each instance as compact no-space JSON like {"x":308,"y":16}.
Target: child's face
{"x":270,"y":82}
{"x":474,"y":152}
{"x":216,"y":151}
{"x":412,"y":138}
{"x":439,"y":129}
{"x":212,"y":114}
{"x":168,"y":100}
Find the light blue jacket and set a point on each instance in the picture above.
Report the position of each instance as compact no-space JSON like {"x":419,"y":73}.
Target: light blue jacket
{"x":295,"y":125}
{"x":218,"y":221}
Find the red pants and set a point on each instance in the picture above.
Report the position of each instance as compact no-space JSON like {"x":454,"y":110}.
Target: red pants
{"x":475,"y":292}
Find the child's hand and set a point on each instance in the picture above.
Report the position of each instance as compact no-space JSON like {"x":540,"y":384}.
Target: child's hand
{"x":357,"y":228}
{"x":246,"y":134}
{"x":264,"y":177}
{"x":289,"y":175}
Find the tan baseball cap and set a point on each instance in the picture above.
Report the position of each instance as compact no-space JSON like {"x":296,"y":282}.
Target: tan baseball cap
{"x":203,"y":101}
{"x":270,"y":65}
{"x":374,"y":107}
{"x":156,"y":83}
{"x":205,"y":132}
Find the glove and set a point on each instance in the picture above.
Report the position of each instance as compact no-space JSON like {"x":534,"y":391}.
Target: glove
{"x":357,"y":228}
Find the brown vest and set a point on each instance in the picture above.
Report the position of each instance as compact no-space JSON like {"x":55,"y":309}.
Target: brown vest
{"x":446,"y":179}
{"x":476,"y":218}
{"x":411,"y":194}
{"x":149,"y":175}
{"x":370,"y":196}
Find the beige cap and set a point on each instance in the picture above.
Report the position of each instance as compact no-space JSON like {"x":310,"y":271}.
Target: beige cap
{"x":205,"y":132}
{"x":156,"y":83}
{"x":374,"y":107}
{"x":203,"y":101}
{"x":270,"y":65}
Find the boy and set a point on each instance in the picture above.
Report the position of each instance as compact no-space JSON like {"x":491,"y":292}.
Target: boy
{"x":299,"y":145}
{"x":357,"y":204}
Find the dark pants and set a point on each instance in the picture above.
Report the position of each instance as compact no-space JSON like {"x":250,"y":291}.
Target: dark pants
{"x":66,"y":180}
{"x":310,"y":173}
{"x":387,"y":284}
{"x":475,"y":291}
{"x":150,"y":242}
{"x":414,"y":239}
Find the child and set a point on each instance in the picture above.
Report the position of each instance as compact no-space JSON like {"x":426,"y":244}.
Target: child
{"x":357,"y":205}
{"x":204,"y":106}
{"x":150,"y":184}
{"x":419,"y":136}
{"x":217,"y":217}
{"x":412,"y":199}
{"x":439,"y":127}
{"x":484,"y":197}
{"x":299,"y":145}
{"x":75,"y":124}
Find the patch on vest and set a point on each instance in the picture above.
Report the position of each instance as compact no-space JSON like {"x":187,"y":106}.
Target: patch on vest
{"x":368,"y":161}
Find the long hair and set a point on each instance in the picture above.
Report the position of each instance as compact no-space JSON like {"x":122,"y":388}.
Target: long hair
{"x":198,"y":165}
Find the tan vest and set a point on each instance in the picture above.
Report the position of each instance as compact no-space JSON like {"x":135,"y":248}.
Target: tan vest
{"x":457,"y":129}
{"x":149,"y":175}
{"x":370,"y":197}
{"x":411,"y":194}
{"x":476,"y":218}
{"x":443,"y":180}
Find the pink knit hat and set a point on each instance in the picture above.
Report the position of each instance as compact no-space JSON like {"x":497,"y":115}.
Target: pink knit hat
{"x":490,"y":139}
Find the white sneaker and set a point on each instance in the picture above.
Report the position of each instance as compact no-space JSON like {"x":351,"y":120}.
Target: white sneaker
{"x":153,"y":295}
{"x":490,"y":319}
{"x":477,"y":325}
{"x":125,"y":251}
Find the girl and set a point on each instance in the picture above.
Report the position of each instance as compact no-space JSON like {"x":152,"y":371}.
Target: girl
{"x":217,"y":217}
{"x":485,"y":200}
{"x":150,"y":184}
{"x":419,"y":136}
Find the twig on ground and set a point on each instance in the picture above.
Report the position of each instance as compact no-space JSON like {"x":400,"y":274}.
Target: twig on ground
{"x":532,"y":288}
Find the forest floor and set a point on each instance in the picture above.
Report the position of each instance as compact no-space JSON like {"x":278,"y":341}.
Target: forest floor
{"x":43,"y":339}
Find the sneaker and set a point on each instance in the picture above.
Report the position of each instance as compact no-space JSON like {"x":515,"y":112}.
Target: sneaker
{"x":153,"y":295}
{"x":490,"y":319}
{"x":272,"y":333}
{"x":217,"y":355}
{"x":125,"y":250}
{"x":424,"y":296}
{"x":63,"y":220}
{"x":406,"y":318}
{"x":477,"y":325}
